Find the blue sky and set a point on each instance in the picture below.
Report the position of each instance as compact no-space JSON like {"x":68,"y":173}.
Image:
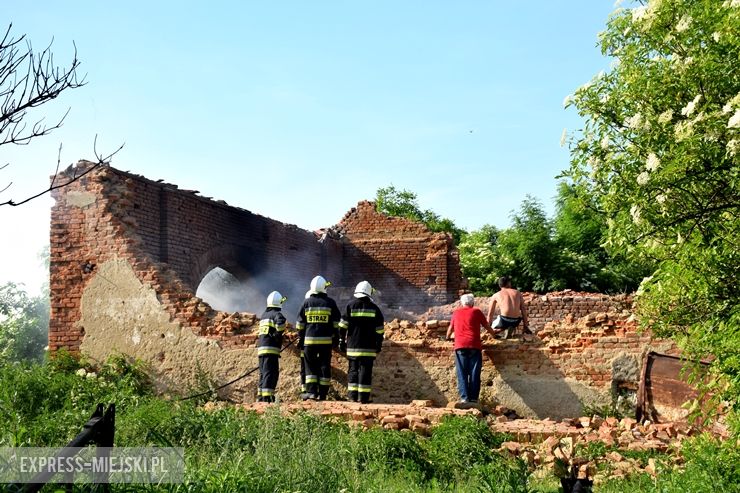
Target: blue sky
{"x":298,"y":110}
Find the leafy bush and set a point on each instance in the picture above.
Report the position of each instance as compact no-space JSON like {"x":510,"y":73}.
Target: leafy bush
{"x":43,"y":406}
{"x":402,"y":203}
{"x":24,"y":324}
{"x":384,"y":450}
{"x":502,"y":476}
{"x":658,"y":157}
{"x":457,"y":444}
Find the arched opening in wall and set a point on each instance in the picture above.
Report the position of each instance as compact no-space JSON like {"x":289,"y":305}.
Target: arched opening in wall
{"x":225,"y":292}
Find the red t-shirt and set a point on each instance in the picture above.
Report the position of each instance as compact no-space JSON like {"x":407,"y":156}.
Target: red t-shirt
{"x":466,"y":323}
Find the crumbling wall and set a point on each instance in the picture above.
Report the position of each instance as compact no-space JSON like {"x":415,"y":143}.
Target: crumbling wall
{"x":550,"y":307}
{"x":171,"y":238}
{"x":568,"y":364}
{"x":412,"y":267}
{"x":127,"y":254}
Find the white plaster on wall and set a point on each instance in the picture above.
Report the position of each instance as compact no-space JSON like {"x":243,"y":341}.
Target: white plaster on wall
{"x":79,"y":199}
{"x":121,"y":315}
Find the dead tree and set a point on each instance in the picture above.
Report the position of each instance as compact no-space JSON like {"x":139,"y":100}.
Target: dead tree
{"x":28,"y":80}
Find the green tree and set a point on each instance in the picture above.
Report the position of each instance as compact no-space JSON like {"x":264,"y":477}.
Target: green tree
{"x":659,"y":156}
{"x":24,"y":324}
{"x":526,"y":252}
{"x":529,"y":248}
{"x":580,"y":235}
{"x":481,"y":261}
{"x":403,"y":203}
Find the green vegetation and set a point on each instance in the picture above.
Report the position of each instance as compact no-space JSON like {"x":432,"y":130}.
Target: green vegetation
{"x":230,"y":449}
{"x":658,"y":158}
{"x":538,"y":253}
{"x":403,"y":203}
{"x":24,"y":323}
{"x":710,"y":466}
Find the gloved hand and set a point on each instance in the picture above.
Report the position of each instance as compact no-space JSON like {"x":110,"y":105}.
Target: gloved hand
{"x":342,"y":346}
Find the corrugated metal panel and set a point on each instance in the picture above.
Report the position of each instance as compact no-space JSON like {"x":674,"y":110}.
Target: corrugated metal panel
{"x":664,"y":388}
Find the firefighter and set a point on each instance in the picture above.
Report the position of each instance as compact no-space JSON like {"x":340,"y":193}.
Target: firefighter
{"x":361,"y":335}
{"x":269,"y":342}
{"x":318,"y":325}
{"x":301,"y":335}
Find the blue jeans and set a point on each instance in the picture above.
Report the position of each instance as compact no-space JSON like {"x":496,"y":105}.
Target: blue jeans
{"x":468,"y":363}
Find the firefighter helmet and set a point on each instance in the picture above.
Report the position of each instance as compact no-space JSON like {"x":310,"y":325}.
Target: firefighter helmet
{"x":275,"y":300}
{"x":308,"y":294}
{"x":319,"y":285}
{"x":364,"y":289}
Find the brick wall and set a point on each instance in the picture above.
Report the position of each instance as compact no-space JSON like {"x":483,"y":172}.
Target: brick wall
{"x":171,"y":238}
{"x":569,"y":363}
{"x":174,"y":237}
{"x":127,"y":254}
{"x":551,"y":307}
{"x":413,"y":267}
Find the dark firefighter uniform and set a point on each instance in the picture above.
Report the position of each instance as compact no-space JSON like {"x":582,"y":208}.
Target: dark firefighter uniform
{"x":319,"y":321}
{"x":361,"y":329}
{"x":269,"y":342}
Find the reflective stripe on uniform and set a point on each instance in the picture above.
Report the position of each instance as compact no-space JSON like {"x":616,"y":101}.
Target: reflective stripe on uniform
{"x":356,"y":352}
{"x":364,"y":388}
{"x":324,"y":381}
{"x":313,"y":340}
{"x":362,"y":313}
{"x":267,"y":350}
{"x":312,"y":379}
{"x":313,"y":310}
{"x":352,"y":387}
{"x":380,"y":330}
{"x":267,"y":392}
{"x":343,"y":324}
{"x":299,"y":326}
{"x":268,"y":322}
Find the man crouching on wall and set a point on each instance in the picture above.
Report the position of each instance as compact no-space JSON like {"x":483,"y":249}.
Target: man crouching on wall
{"x":466,"y":326}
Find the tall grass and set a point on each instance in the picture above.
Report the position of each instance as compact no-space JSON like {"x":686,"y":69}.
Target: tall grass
{"x":230,"y":449}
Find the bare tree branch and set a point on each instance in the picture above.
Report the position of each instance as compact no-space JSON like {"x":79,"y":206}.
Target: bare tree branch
{"x":28,"y":80}
{"x":101,"y":161}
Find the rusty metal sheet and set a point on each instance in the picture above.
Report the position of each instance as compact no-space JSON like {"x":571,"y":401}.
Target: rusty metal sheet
{"x":664,"y":388}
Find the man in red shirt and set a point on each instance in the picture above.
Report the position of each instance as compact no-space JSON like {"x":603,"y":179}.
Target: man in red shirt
{"x":466,"y":324}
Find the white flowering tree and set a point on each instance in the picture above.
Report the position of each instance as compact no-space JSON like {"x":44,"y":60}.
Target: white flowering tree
{"x":659,"y":153}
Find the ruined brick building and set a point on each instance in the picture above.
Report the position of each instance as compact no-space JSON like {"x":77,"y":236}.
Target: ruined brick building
{"x":128,"y":255}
